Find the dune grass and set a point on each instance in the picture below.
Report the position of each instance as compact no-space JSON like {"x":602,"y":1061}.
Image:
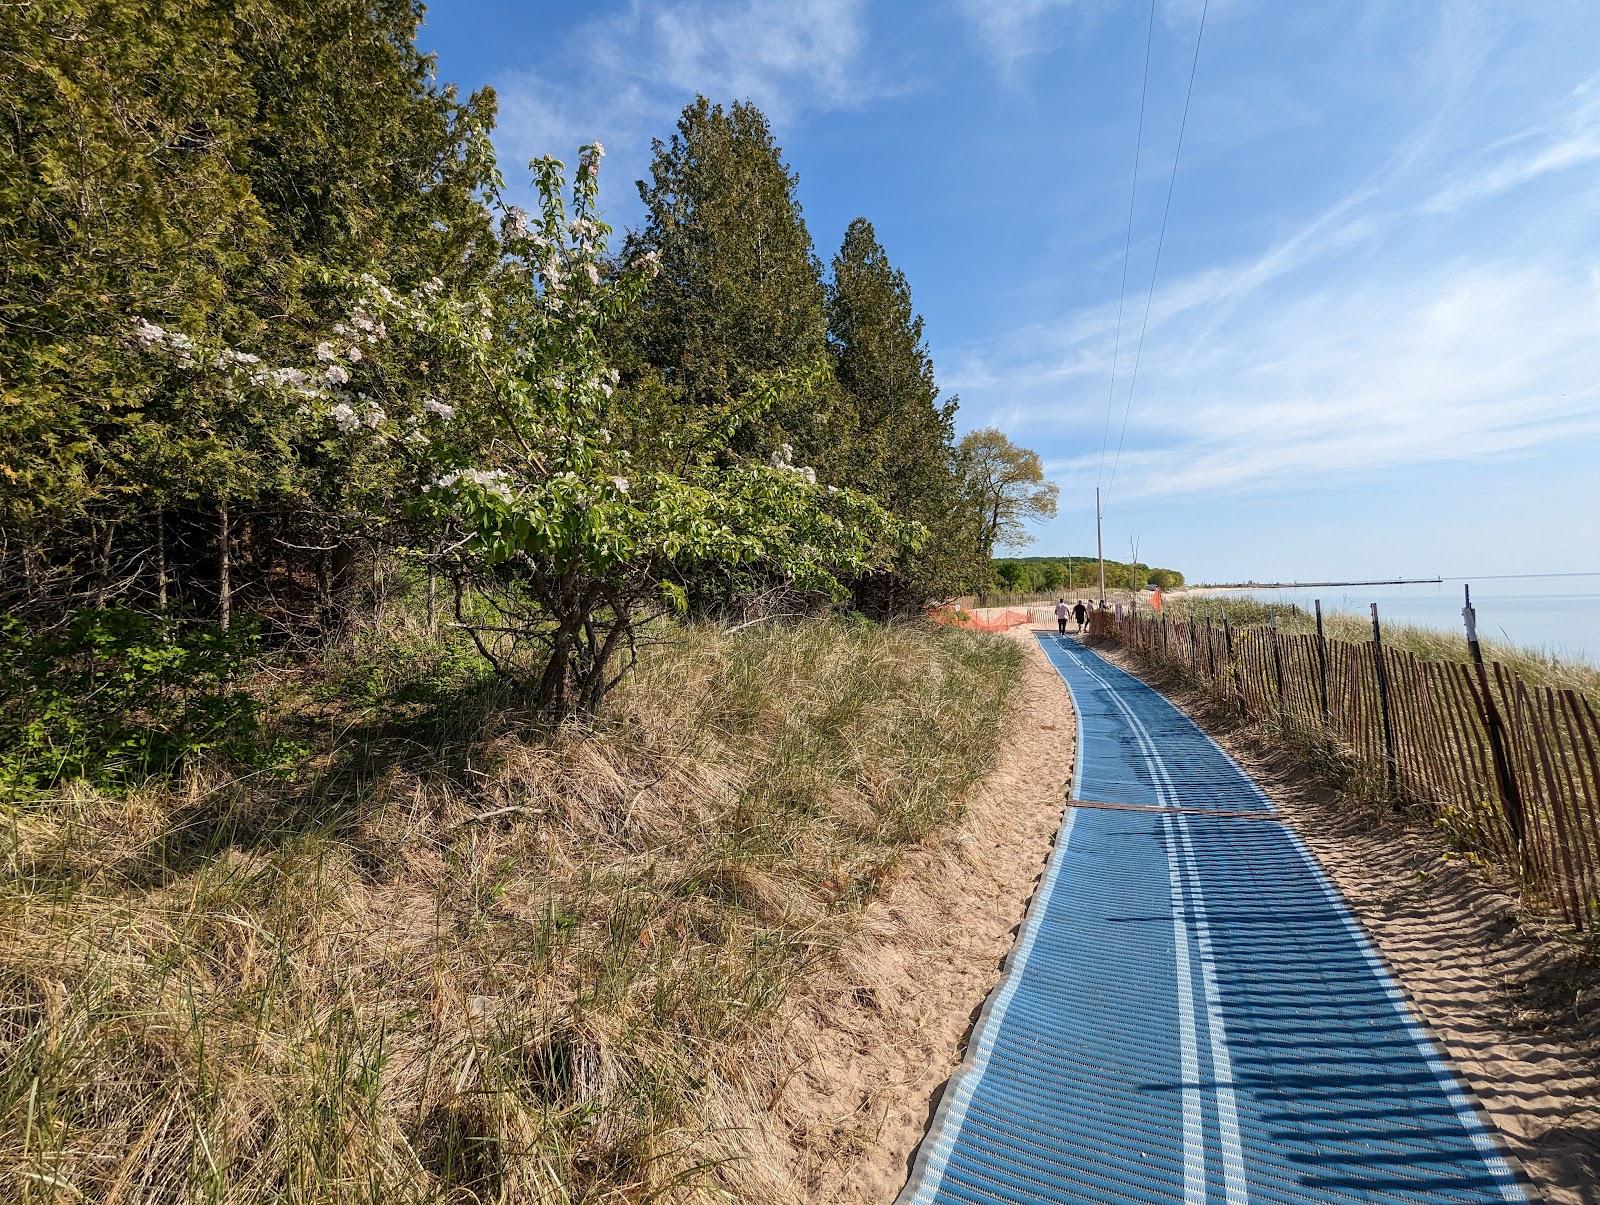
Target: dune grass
{"x":1536,"y":668}
{"x":445,"y":957}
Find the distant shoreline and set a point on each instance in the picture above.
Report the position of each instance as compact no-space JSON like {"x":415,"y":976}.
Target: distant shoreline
{"x":1384,"y":581}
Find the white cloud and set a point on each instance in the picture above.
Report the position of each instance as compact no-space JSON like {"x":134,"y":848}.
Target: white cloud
{"x":779,"y":53}
{"x":1012,"y":30}
{"x":1570,"y":143}
{"x":624,"y":77}
{"x":1458,"y":363}
{"x":1398,"y":326}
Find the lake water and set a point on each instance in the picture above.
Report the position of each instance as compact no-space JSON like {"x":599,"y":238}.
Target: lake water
{"x":1558,"y":614}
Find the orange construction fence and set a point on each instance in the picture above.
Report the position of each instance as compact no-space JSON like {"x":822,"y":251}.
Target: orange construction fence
{"x":959,"y":618}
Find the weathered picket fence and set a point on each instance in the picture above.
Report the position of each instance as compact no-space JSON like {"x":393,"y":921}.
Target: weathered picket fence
{"x":1510,"y":771}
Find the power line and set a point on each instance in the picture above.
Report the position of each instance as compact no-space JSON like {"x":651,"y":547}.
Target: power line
{"x":1127,"y":243}
{"x":1133,"y":380}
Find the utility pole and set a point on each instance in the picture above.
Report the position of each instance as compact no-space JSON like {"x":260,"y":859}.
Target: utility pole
{"x":1099,"y":546}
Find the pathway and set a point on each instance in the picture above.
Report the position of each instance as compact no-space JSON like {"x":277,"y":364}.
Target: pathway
{"x":1191,"y":1014}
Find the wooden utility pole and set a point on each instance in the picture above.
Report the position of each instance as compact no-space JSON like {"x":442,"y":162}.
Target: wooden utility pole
{"x":1099,"y":546}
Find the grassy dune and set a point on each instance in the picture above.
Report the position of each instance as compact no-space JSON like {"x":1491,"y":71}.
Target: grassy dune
{"x":1536,"y":667}
{"x":439,"y":956}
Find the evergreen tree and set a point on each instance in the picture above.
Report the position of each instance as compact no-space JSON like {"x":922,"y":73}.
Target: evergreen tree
{"x":740,"y":293}
{"x":214,"y":171}
{"x":901,"y":446}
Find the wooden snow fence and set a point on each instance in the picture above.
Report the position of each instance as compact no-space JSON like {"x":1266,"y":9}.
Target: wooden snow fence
{"x":1510,"y":772}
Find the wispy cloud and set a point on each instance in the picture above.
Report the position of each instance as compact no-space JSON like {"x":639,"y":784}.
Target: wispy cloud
{"x":623,"y":77}
{"x":1012,"y":32}
{"x":1455,"y":363}
{"x":1020,"y":29}
{"x":1399,"y":325}
{"x":1570,"y":142}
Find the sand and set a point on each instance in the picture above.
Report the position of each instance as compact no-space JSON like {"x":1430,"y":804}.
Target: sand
{"x":872,"y":1053}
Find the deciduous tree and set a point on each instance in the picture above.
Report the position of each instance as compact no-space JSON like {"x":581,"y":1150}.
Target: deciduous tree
{"x":1007,"y":486}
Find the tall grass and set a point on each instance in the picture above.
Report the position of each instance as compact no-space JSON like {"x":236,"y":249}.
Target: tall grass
{"x":448,"y":958}
{"x":1536,"y":668}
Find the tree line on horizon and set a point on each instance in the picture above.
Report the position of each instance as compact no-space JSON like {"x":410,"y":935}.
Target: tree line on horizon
{"x":1079,"y":575}
{"x":271,"y":328}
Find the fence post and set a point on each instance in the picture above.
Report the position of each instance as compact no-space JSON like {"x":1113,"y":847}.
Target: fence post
{"x":1505,"y":779}
{"x":1390,"y":765}
{"x":1277,"y":662}
{"x":1233,"y":666}
{"x":1211,"y":655}
{"x":1322,"y":673}
{"x":1166,"y":644}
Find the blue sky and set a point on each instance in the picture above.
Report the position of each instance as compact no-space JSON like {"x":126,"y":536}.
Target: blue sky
{"x":1373,"y":343}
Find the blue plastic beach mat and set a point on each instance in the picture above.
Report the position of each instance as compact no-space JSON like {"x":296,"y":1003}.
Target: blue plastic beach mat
{"x":1191,"y":1014}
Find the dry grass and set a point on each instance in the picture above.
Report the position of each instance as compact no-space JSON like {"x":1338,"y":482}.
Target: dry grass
{"x":1536,"y":668}
{"x":447,"y":960}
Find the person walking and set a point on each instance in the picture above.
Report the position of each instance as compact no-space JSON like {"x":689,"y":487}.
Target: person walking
{"x":1061,"y":616}
{"x":1081,"y":614}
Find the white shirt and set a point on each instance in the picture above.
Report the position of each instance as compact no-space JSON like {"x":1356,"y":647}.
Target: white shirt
{"x":1062,"y":610}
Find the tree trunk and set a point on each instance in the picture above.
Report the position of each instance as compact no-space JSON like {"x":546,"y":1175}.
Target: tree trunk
{"x":433,"y":599}
{"x":324,"y":593}
{"x":102,"y":564}
{"x":224,"y":568}
{"x":161,"y":558}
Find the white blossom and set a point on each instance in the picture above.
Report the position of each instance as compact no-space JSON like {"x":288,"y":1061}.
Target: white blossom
{"x":354,"y":354}
{"x":443,"y":409}
{"x":325,"y":352}
{"x":336,"y":374}
{"x":514,"y":224}
{"x":649,"y":263}
{"x":621,"y":484}
{"x":494,"y":481}
{"x":292,"y":378}
{"x":344,"y":414}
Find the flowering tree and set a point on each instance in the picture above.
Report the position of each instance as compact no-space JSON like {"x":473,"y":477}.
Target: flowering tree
{"x":567,"y":509}
{"x":572,"y":511}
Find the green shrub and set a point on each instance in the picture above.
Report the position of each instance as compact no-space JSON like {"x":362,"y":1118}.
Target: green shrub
{"x":114,"y":697}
